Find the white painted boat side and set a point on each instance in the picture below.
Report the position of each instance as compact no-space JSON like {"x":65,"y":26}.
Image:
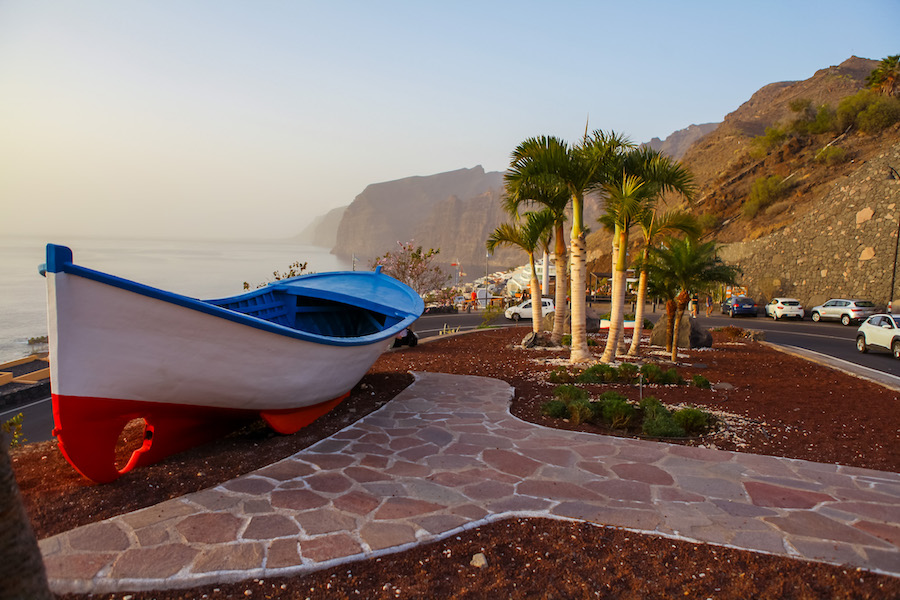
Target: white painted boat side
{"x":107,"y":342}
{"x":604,"y":324}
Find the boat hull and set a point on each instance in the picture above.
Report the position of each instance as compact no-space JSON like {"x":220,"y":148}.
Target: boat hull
{"x":191,"y":371}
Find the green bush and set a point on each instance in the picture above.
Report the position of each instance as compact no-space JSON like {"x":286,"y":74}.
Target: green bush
{"x":556,"y":409}
{"x":701,"y":382}
{"x":832,"y":156}
{"x":879,"y":115}
{"x":662,"y":425}
{"x":652,"y":407}
{"x":13,"y":428}
{"x":868,"y":111}
{"x":580,"y":410}
{"x":761,"y":145}
{"x":569,"y":393}
{"x":671,"y":377}
{"x":567,"y":340}
{"x":651,"y":372}
{"x":599,"y":373}
{"x":627,"y":372}
{"x":693,"y":420}
{"x":616,"y":410}
{"x":560,"y":375}
{"x":763,"y":192}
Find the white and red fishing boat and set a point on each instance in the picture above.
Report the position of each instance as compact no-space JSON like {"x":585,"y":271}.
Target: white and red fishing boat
{"x":192,"y":369}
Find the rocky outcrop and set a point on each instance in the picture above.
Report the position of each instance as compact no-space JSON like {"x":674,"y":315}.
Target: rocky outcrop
{"x":847,"y":247}
{"x":678,"y":143}
{"x":454,"y":212}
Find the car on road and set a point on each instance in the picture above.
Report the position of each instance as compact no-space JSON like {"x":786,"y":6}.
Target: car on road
{"x":739,"y":305}
{"x":845,"y":310}
{"x":523,"y":311}
{"x":879,"y":332}
{"x":779,"y":308}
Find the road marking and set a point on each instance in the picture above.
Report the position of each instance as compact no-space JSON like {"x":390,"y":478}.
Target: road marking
{"x":21,"y":408}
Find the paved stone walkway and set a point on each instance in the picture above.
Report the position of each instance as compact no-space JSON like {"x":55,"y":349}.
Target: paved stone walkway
{"x":446,"y":455}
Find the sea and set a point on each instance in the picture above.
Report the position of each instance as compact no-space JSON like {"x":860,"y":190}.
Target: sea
{"x":203,"y":269}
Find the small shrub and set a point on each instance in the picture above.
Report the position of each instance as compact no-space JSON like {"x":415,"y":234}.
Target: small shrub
{"x":701,"y":382}
{"x":13,"y":429}
{"x":599,"y":373}
{"x":616,"y":411}
{"x":651,"y":372}
{"x":693,"y":420}
{"x":569,"y":393}
{"x":560,"y":375}
{"x":671,"y":377}
{"x":566,"y":340}
{"x":879,"y":115}
{"x":556,"y":409}
{"x":761,"y":145}
{"x":763,"y":192}
{"x":627,"y":372}
{"x":580,"y":410}
{"x":662,"y":425}
{"x":488,"y":315}
{"x":832,"y":156}
{"x":652,"y":407}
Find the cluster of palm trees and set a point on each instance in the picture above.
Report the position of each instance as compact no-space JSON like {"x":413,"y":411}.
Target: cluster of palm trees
{"x":552,"y":178}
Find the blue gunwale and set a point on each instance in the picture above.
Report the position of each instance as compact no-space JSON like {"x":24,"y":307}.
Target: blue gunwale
{"x":60,"y":260}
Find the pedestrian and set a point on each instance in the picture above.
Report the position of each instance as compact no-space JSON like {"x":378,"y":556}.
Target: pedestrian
{"x":695,"y":301}
{"x":709,"y":304}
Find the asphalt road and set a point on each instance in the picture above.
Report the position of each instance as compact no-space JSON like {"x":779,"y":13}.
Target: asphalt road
{"x":832,"y":339}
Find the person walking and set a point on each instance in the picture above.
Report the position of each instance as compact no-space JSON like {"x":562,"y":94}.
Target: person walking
{"x":709,"y":305}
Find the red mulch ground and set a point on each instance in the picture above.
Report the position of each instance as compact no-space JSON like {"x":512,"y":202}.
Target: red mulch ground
{"x":775,"y":404}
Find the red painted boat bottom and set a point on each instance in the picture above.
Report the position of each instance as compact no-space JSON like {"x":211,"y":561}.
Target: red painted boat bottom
{"x":293,"y":420}
{"x":88,"y":429}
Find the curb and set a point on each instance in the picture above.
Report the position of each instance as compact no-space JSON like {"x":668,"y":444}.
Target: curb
{"x":892,"y":382}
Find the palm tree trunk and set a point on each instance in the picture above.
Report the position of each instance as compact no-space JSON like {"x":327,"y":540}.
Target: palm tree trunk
{"x":617,"y":300}
{"x":670,"y":322}
{"x":536,"y":303}
{"x":562,"y":288}
{"x":545,"y":275}
{"x":580,"y":351}
{"x":22,"y":573}
{"x":635,"y":349}
{"x":682,"y":302}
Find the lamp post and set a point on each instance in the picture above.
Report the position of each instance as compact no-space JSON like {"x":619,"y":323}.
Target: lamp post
{"x":892,"y":174}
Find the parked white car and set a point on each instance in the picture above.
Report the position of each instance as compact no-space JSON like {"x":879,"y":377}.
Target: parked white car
{"x":779,"y":308}
{"x":523,"y":311}
{"x":879,"y":332}
{"x":844,"y":309}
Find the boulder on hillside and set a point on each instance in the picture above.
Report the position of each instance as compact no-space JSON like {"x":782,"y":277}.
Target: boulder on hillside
{"x":691,"y":334}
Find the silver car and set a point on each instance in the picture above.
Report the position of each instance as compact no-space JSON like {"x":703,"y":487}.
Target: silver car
{"x":880,"y":332}
{"x":844,"y":310}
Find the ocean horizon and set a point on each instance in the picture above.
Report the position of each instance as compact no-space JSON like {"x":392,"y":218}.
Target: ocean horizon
{"x":201,"y":269}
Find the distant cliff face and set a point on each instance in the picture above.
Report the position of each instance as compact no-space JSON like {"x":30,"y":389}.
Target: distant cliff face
{"x":678,"y":143}
{"x":454,"y":212}
{"x":322,"y":231}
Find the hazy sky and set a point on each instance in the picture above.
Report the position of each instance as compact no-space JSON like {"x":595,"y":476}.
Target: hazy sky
{"x":218,"y":118}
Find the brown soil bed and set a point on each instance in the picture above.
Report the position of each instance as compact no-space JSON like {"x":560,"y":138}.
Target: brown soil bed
{"x":775,"y":404}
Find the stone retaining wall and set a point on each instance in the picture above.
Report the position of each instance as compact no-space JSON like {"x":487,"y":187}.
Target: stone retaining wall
{"x":845,"y":248}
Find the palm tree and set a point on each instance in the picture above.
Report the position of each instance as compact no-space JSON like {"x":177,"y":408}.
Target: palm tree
{"x":23,"y":574}
{"x":528,"y":236}
{"x":653,"y":225}
{"x":886,"y":75}
{"x":550,"y":161}
{"x":658,"y":174}
{"x":625,"y":203}
{"x":545,"y":191}
{"x":688,"y":264}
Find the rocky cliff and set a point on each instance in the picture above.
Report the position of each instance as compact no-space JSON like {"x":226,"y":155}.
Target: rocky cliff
{"x":678,"y":143}
{"x":323,"y":230}
{"x":453,"y":211}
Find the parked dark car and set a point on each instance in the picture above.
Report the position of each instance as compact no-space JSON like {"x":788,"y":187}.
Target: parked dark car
{"x":739,"y":305}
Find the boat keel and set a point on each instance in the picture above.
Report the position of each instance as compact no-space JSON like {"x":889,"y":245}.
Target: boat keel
{"x":293,"y":420}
